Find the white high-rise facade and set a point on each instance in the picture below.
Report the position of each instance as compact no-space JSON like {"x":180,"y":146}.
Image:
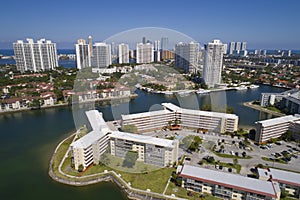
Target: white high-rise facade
{"x":186,"y":56}
{"x":101,"y":55}
{"x":244,"y":46}
{"x":237,"y":48}
{"x":231,"y":47}
{"x":213,"y":62}
{"x":123,"y":53}
{"x":40,"y":56}
{"x":144,"y":53}
{"x":83,"y":57}
{"x":157,"y":50}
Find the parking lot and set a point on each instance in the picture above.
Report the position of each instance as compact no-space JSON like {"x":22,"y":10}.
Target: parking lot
{"x":230,"y":146}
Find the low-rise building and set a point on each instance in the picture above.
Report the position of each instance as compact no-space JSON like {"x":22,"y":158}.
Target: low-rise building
{"x":88,"y":149}
{"x":288,"y":181}
{"x":151,"y":150}
{"x":274,"y":128}
{"x":226,"y":185}
{"x":212,"y":121}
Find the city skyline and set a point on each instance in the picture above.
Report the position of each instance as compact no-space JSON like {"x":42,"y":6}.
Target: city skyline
{"x":261,"y":24}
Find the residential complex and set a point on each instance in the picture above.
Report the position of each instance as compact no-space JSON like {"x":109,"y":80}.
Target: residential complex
{"x":274,"y":128}
{"x":101,"y":55}
{"x":289,"y":101}
{"x":237,"y":48}
{"x":288,"y":181}
{"x":123,"y":53}
{"x":226,"y":185}
{"x":213,"y":63}
{"x":151,"y":150}
{"x":212,"y":121}
{"x":88,"y":149}
{"x":186,"y":56}
{"x":144,"y":53}
{"x":83,"y":56}
{"x":39,"y":56}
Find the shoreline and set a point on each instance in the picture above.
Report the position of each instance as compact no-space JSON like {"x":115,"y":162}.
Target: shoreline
{"x":133,"y":96}
{"x":249,"y":104}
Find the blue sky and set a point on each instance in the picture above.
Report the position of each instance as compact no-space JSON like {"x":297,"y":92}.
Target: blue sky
{"x":267,"y":24}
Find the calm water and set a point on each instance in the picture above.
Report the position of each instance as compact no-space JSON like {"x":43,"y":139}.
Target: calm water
{"x":28,"y":140}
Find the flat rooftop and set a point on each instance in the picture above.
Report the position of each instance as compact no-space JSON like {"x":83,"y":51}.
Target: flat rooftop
{"x":145,"y":114}
{"x":281,"y":176}
{"x":88,"y":139}
{"x":278,"y":120}
{"x":229,"y":180}
{"x":96,"y":119}
{"x":143,"y":139}
{"x":175,"y":108}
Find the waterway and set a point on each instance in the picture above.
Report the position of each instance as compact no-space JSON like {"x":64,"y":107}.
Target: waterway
{"x":29,"y":138}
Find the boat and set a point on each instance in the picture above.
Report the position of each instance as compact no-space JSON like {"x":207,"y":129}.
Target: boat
{"x":202,"y":91}
{"x":253,"y":86}
{"x":242,"y":87}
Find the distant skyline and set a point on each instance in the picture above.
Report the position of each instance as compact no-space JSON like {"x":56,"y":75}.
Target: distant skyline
{"x":263,"y":24}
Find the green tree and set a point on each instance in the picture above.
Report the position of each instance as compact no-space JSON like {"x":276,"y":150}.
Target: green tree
{"x":191,"y":142}
{"x":130,"y":128}
{"x":211,"y":159}
{"x":80,"y":168}
{"x":130,"y":159}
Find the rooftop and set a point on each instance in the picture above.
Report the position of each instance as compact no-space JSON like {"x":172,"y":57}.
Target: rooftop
{"x":229,"y":180}
{"x":88,"y":139}
{"x":145,"y":114}
{"x":280,"y":176}
{"x":278,"y":120}
{"x":175,"y":108}
{"x":96,"y":120}
{"x":143,"y":139}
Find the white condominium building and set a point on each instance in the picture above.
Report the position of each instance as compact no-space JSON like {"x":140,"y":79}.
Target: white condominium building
{"x":144,"y":53}
{"x":186,"y":56}
{"x":227,"y":186}
{"x":83,"y":57}
{"x":123,"y":53}
{"x":213,"y":63}
{"x":151,"y":150}
{"x":212,"y":121}
{"x":274,"y":128}
{"x":40,"y":56}
{"x":88,"y":149}
{"x":148,"y":121}
{"x":101,"y":55}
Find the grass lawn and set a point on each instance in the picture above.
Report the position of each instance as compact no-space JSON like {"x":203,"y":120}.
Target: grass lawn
{"x":116,"y":163}
{"x":274,"y":109}
{"x":156,"y":181}
{"x":59,"y":156}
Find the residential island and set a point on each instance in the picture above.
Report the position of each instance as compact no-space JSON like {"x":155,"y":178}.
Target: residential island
{"x":174,"y":152}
